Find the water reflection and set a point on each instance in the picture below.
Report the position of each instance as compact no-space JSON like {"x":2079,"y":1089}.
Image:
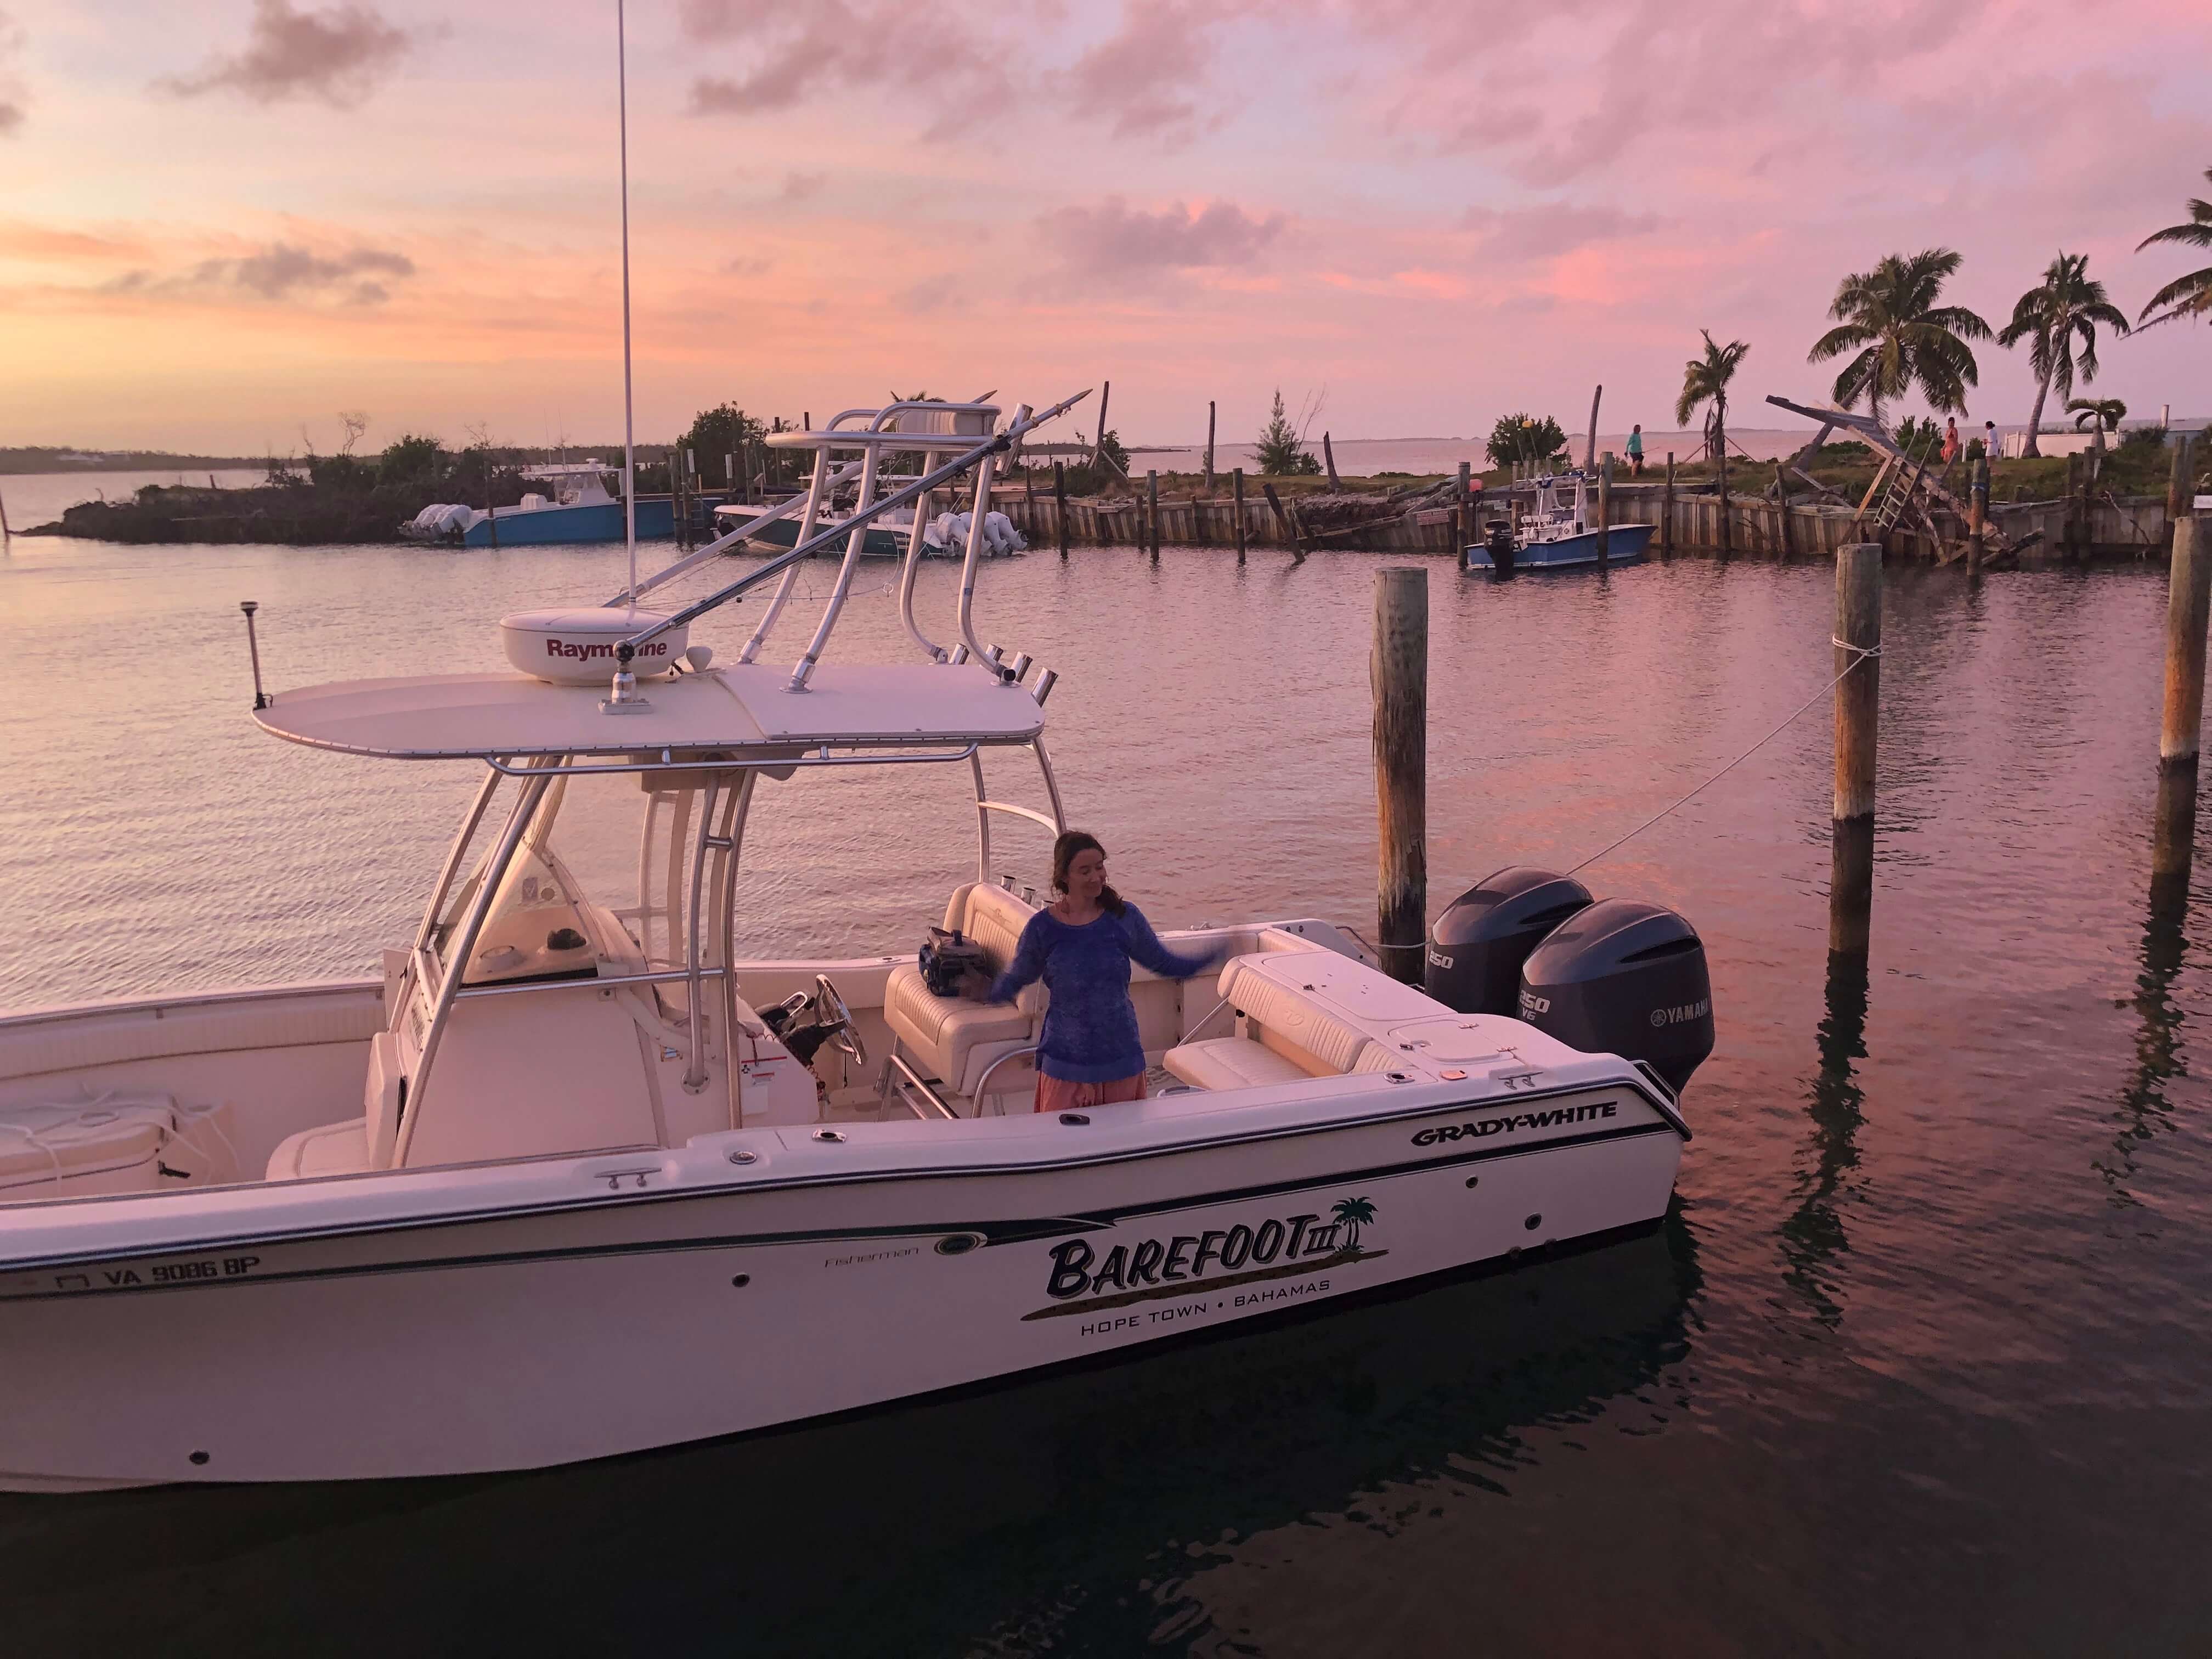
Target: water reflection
{"x":1812,"y":1234}
{"x":1066,"y":1513}
{"x":2145,"y":1109}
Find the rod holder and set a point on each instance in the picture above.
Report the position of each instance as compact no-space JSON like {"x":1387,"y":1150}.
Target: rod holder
{"x":253,"y":649}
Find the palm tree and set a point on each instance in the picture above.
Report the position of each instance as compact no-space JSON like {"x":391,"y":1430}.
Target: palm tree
{"x":2189,"y":295}
{"x":2107,"y":412}
{"x":2066,"y":303}
{"x":1903,"y":338}
{"x":1705,"y":380}
{"x":1352,"y":1213}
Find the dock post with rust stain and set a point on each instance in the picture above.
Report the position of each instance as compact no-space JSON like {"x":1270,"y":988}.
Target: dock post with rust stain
{"x":1398,"y":670}
{"x":1666,"y":511}
{"x":1238,"y":478}
{"x":1858,"y":703}
{"x":1060,"y":504}
{"x":2188,"y":606}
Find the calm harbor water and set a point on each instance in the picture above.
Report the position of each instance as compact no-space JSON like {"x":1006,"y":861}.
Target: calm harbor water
{"x":1917,"y":1365}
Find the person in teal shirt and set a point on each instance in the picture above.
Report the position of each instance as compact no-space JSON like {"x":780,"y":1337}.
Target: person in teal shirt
{"x":1636,"y":452}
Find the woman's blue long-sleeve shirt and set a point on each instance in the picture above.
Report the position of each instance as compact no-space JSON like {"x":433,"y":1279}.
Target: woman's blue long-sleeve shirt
{"x":1090,"y":1027}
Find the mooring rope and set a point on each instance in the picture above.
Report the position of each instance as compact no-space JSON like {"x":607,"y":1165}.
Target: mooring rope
{"x":1859,"y":654}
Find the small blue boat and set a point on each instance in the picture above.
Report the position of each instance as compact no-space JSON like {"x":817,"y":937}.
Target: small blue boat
{"x":1555,"y":536}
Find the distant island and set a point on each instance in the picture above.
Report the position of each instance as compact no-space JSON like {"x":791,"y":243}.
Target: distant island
{"x":56,"y":458}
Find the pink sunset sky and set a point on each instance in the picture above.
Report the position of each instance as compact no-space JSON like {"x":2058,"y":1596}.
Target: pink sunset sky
{"x":228,"y":221}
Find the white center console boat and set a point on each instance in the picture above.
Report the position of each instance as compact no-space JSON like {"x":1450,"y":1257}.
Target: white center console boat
{"x":566,"y":1179}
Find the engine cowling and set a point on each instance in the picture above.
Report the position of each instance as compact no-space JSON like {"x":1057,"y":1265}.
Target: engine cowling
{"x":1627,"y":978}
{"x":1477,"y":945}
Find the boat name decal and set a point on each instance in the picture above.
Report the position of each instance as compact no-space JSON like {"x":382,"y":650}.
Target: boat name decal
{"x":585,"y":653}
{"x":1080,"y":1281}
{"x":1515,"y":1121}
{"x":160,"y":1272}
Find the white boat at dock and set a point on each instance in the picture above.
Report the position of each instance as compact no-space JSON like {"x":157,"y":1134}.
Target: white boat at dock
{"x":563,"y":1177}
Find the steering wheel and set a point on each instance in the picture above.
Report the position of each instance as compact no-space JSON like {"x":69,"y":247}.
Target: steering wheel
{"x":830,"y":1010}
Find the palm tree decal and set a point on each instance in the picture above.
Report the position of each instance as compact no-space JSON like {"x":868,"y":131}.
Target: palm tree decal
{"x":1902,"y":337}
{"x":2184,"y":296}
{"x":1351,"y":1214}
{"x":1705,"y":380}
{"x":2065,"y":304}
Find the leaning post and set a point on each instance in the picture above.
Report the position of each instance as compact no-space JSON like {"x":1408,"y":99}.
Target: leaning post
{"x":1238,"y":478}
{"x":1858,"y":701}
{"x":1398,"y":671}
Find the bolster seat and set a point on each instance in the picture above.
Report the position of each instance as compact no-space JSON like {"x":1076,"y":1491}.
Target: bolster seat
{"x":1231,"y":1062}
{"x":952,"y":1039}
{"x":1296,"y":1033}
{"x":332,"y":1149}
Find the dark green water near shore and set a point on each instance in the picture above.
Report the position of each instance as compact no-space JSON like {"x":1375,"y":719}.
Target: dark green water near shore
{"x":1918,"y":1364}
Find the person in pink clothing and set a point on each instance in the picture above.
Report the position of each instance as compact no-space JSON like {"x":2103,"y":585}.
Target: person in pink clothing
{"x":1950,"y":440}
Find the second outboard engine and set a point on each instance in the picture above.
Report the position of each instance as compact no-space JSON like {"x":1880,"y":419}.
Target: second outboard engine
{"x":1627,"y":978}
{"x":1477,"y":945}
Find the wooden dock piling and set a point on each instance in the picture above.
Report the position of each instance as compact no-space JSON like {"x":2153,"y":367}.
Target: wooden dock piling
{"x":1590,"y":447}
{"x":1463,"y":514}
{"x":1604,"y":507}
{"x":1239,"y":481}
{"x":1666,"y":511}
{"x":1788,"y":540}
{"x":1858,"y":703}
{"x":1727,"y":538}
{"x":1209,"y":446}
{"x":1329,"y":455}
{"x":1398,"y":669}
{"x":2188,"y":604}
{"x":1060,"y":504}
{"x":2178,"y":494}
{"x":1977,"y":517}
{"x":1098,"y":447}
{"x":1152,"y":512}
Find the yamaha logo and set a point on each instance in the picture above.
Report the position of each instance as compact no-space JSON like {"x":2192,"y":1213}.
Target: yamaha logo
{"x":1682,"y":1014}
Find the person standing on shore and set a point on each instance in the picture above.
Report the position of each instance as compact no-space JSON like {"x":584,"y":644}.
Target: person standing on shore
{"x":1950,"y":439}
{"x":1636,"y":451}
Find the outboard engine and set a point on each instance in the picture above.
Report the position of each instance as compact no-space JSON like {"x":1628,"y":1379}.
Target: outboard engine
{"x":1477,"y":945}
{"x":1627,"y":978}
{"x":1499,"y":543}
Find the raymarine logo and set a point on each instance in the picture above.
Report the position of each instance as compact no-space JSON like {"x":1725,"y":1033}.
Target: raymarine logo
{"x":1662,"y":1018}
{"x":1533,"y":1004}
{"x":599,"y":649}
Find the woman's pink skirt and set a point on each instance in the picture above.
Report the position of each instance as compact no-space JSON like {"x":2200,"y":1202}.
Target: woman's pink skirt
{"x":1058,"y":1095}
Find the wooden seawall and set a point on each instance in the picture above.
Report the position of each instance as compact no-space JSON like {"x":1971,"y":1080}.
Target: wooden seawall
{"x":2121,"y":528}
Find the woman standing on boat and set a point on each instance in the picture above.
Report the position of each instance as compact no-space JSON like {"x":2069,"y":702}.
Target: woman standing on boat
{"x":1081,"y":945}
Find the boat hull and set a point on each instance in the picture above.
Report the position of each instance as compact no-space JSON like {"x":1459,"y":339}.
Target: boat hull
{"x":878,"y":543}
{"x":1625,"y":544}
{"x":676,"y":1297}
{"x":597,"y":521}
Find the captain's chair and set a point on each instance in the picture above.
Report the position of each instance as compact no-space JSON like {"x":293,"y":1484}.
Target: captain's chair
{"x":950,"y":1039}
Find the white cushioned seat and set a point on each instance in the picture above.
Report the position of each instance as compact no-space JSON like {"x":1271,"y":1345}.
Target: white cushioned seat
{"x":1231,"y":1062}
{"x":1301,"y":1030}
{"x":332,"y":1149}
{"x":954,"y":1039}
